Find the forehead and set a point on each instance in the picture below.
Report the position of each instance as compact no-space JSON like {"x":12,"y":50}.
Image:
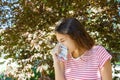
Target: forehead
{"x":61,"y":36}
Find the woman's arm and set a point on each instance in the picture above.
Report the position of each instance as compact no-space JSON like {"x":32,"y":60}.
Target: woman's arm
{"x":58,"y":65}
{"x":106,"y":71}
{"x":59,"y":70}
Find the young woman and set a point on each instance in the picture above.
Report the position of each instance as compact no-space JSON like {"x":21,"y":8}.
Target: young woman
{"x":85,"y":60}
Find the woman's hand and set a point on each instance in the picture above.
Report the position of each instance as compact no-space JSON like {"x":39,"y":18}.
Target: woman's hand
{"x":58,"y":65}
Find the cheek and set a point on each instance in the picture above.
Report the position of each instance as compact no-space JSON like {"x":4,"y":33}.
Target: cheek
{"x":70,"y":48}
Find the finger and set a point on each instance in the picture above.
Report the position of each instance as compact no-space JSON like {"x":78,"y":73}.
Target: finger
{"x":57,"y":48}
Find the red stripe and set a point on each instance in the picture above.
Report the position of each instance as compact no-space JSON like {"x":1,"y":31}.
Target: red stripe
{"x":82,"y":70}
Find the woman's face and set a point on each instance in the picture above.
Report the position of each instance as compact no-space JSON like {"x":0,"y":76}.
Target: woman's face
{"x":66,"y":41}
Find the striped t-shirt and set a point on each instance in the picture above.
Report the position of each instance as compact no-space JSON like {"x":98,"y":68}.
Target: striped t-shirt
{"x":87,"y":66}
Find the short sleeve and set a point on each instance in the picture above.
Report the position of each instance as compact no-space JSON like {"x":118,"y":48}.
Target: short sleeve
{"x":102,"y":56}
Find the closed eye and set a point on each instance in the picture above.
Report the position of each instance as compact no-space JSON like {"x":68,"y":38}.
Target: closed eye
{"x":62,"y":41}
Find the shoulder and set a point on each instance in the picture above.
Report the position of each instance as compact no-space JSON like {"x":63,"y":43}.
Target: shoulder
{"x":99,"y":50}
{"x":98,"y":47}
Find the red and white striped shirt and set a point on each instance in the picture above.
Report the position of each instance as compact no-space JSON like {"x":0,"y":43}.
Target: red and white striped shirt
{"x":87,"y":66}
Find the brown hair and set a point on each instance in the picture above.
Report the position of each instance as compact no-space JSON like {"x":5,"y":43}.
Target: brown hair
{"x":77,"y":32}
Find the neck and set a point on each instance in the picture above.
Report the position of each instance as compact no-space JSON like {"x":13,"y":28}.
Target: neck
{"x":77,"y":53}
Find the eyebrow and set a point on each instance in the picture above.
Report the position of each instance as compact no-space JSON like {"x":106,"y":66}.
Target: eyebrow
{"x":61,"y":39}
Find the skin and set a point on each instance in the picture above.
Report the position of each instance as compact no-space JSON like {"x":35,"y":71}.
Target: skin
{"x":69,"y":43}
{"x":106,"y":71}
